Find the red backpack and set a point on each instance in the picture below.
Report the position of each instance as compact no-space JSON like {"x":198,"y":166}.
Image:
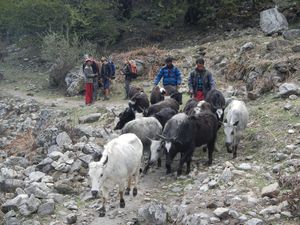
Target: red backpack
{"x":133,"y":68}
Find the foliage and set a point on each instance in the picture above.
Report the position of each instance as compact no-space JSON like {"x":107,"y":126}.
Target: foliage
{"x":63,"y":54}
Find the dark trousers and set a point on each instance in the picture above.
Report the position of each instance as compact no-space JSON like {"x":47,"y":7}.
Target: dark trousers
{"x":127,"y":86}
{"x":95,"y":90}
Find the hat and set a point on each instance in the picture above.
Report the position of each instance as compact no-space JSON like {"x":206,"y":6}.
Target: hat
{"x":103,"y":58}
{"x":168,"y":59}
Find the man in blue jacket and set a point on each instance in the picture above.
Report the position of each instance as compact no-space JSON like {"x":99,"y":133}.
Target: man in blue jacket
{"x":169,"y":73}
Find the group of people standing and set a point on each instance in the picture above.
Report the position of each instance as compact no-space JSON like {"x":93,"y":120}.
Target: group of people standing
{"x":199,"y":83}
{"x":97,"y":75}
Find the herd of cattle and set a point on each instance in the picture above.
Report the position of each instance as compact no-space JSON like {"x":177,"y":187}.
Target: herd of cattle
{"x":163,"y":130}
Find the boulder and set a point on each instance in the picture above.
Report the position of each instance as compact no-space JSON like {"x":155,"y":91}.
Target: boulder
{"x":29,"y":206}
{"x":254,"y":221}
{"x":36,"y":176}
{"x":270,"y":191}
{"x":89,"y":118}
{"x":221,"y":213}
{"x":10,"y":185}
{"x":277,"y":44}
{"x":287,"y":89}
{"x":272,"y":21}
{"x":153,"y":213}
{"x":71,"y":218}
{"x":63,"y":139}
{"x":46,"y":208}
{"x":291,"y":34}
{"x":296,"y":48}
{"x":75,"y":82}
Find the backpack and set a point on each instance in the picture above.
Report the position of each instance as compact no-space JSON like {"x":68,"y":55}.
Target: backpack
{"x":112,"y":70}
{"x":133,"y":69}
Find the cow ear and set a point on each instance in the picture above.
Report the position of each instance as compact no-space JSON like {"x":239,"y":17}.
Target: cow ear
{"x":105,"y":162}
{"x":236,"y":123}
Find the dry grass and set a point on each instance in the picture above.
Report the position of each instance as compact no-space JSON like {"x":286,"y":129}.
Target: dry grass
{"x":23,"y":144}
{"x":293,"y":196}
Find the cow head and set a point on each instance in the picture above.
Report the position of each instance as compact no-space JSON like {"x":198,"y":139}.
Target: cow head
{"x":177,"y":96}
{"x":230,"y":133}
{"x":156,"y":149}
{"x":124,"y":117}
{"x":97,"y":174}
{"x":202,"y":106}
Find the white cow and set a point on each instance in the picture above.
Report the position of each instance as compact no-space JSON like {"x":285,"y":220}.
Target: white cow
{"x":120,"y":161}
{"x":236,"y":119}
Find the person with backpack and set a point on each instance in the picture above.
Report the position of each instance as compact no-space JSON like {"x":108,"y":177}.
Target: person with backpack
{"x":200,"y":81}
{"x":112,"y":68}
{"x":106,"y":76}
{"x":130,"y":72}
{"x":90,"y":71}
{"x":170,"y":74}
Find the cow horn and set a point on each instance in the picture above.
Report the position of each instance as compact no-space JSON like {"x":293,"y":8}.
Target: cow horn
{"x":105,"y":160}
{"x":161,"y":136}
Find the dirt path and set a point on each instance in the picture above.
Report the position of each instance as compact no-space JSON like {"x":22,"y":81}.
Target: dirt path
{"x":61,"y":102}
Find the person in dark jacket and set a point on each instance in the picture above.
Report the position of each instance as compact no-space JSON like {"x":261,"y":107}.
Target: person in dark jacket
{"x":128,"y":77}
{"x":91,"y":62}
{"x":170,"y":74}
{"x":200,"y":81}
{"x":105,"y":75}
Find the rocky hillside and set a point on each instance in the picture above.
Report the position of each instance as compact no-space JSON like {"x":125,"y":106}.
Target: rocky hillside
{"x":46,"y":144}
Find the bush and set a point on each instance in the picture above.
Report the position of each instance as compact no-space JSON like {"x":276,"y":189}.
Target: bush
{"x":63,"y":54}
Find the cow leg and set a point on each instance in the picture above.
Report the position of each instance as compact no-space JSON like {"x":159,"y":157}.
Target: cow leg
{"x":159,"y":162}
{"x":102,"y":209}
{"x":234,"y":151}
{"x":210,"y":153}
{"x":122,"y":201}
{"x":169,"y":159}
{"x":127,"y":191}
{"x":184,"y":158}
{"x":136,"y":177}
{"x":188,"y":164}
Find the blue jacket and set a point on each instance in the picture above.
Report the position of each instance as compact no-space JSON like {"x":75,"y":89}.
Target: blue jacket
{"x":170,"y":76}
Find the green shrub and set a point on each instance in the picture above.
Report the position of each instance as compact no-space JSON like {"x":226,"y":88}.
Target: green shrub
{"x":62,"y":54}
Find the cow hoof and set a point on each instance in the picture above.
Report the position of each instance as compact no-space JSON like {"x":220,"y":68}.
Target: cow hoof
{"x":122,"y":203}
{"x":127,"y":191}
{"x":102,"y":212}
{"x":134,"y":192}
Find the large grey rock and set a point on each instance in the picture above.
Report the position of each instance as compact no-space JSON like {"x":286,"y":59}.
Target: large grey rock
{"x":89,"y":118}
{"x":29,"y":206}
{"x":277,"y":44}
{"x":9,"y":173}
{"x":47,"y":137}
{"x":91,"y":148}
{"x":254,"y":221}
{"x":296,"y":48}
{"x":63,"y":139}
{"x":153,"y":213}
{"x":12,"y":221}
{"x":291,"y":34}
{"x":71,"y":218}
{"x":63,"y":187}
{"x":40,"y":190}
{"x":46,"y":208}
{"x":221,"y":212}
{"x":16,"y":161}
{"x":75,"y":81}
{"x":10,"y":185}
{"x":272,"y":21}
{"x":36,"y":176}
{"x":12,"y":204}
{"x":271,"y":190}
{"x":287,"y":89}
